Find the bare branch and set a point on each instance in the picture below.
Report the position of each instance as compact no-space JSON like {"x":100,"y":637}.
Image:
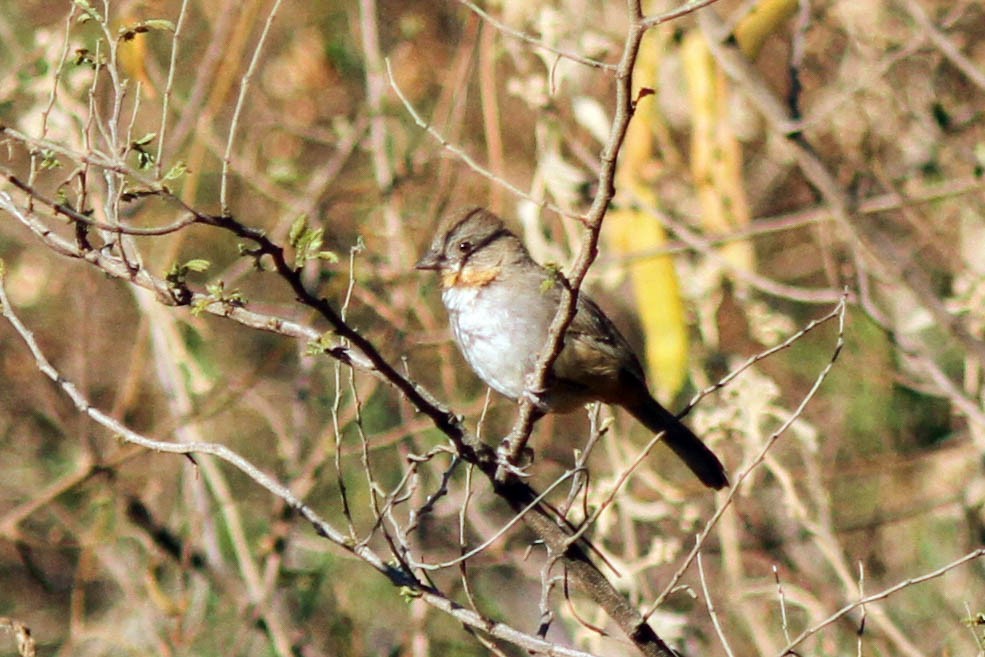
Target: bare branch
{"x":744,"y":473}
{"x":882,"y":595}
{"x":534,"y":41}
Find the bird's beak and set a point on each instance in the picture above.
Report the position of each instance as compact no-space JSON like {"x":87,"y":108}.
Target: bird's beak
{"x":430,"y":260}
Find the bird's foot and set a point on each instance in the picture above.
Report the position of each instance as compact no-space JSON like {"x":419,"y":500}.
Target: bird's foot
{"x":506,"y":466}
{"x":537,"y":397}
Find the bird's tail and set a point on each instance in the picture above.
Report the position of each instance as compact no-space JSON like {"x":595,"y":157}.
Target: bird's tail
{"x":682,"y":440}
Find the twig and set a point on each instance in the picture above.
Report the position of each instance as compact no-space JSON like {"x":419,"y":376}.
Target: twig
{"x":502,"y":530}
{"x":861,"y":623}
{"x":244,"y":88}
{"x":806,"y":217}
{"x":784,"y":625}
{"x":744,"y":474}
{"x":683,"y":10}
{"x":534,"y":41}
{"x":397,"y":576}
{"x":757,"y":281}
{"x":379,"y":142}
{"x":568,"y":303}
{"x":882,"y":595}
{"x":710,"y":606}
{"x":458,"y":152}
{"x":877,"y":247}
{"x":837,"y":312}
{"x":74,"y":215}
{"x":169,"y":86}
{"x":948,"y":48}
{"x":53,"y":95}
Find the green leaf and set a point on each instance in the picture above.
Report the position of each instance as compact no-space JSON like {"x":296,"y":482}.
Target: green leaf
{"x":159,"y":24}
{"x":48,"y":160}
{"x":299,"y":227}
{"x":321,"y":345}
{"x":200,"y":305}
{"x":144,"y":160}
{"x":197,"y":265}
{"x":554,"y":271}
{"x":89,"y":13}
{"x":177,"y":171}
{"x":408,"y":594}
{"x":129,"y":32}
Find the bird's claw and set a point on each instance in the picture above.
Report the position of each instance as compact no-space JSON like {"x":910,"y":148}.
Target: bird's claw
{"x":537,"y":397}
{"x":506,"y":466}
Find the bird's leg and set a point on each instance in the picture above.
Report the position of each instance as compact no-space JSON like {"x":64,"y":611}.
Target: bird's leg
{"x":505,"y":450}
{"x":537,"y":394}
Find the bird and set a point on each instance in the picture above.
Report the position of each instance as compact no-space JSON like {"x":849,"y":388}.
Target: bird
{"x":500,"y":305}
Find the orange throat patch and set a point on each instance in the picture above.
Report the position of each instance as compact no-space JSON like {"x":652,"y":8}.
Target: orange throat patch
{"x":469,"y":277}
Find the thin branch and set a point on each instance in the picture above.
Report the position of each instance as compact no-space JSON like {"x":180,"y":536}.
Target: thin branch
{"x":757,"y":281}
{"x":947,"y":47}
{"x":502,"y":530}
{"x":882,"y":595}
{"x":325,"y":529}
{"x":784,"y":624}
{"x":710,"y":606}
{"x":568,"y":304}
{"x":683,"y":10}
{"x":926,"y":193}
{"x":837,"y":312}
{"x":877,"y":246}
{"x":534,"y":41}
{"x":760,"y":457}
{"x":240,"y":102}
{"x":458,"y":152}
{"x":74,"y":215}
{"x":169,"y":86}
{"x":53,"y":95}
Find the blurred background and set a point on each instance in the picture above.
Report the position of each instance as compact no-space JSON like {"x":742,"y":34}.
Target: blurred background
{"x":732,"y":228}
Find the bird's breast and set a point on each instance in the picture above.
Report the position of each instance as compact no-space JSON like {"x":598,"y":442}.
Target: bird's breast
{"x":499,"y":333}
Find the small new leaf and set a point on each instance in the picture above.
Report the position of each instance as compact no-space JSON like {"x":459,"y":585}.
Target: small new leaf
{"x":159,"y":24}
{"x":48,"y":160}
{"x":133,"y":193}
{"x":321,"y":345}
{"x":554,"y":272}
{"x":217,"y":293}
{"x":177,"y":274}
{"x":145,"y":159}
{"x":977,"y":620}
{"x":197,"y":265}
{"x":130,"y":32}
{"x":307,"y":242}
{"x":299,"y":227}
{"x":88,"y":12}
{"x":409,"y":594}
{"x":177,"y":171}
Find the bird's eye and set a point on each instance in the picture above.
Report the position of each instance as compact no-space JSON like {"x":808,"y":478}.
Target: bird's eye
{"x":465,"y":246}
